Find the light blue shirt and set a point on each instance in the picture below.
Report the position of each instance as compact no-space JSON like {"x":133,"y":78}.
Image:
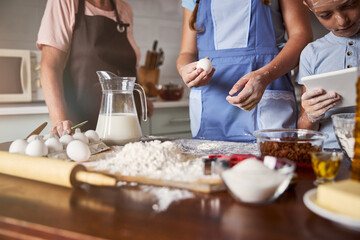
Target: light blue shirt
{"x":327,"y":54}
{"x":276,"y":16}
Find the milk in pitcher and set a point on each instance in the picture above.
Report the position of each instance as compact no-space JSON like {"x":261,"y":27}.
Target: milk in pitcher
{"x":119,"y":128}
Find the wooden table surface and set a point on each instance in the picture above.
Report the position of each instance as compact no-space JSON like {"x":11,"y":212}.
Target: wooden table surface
{"x":29,"y":208}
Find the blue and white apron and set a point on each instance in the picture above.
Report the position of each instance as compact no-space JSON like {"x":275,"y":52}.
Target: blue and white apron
{"x":238,"y":38}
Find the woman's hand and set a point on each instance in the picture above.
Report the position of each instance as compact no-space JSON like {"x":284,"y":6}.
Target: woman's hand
{"x":316,"y":102}
{"x":194,"y":77}
{"x":254,"y":85}
{"x":60,"y":127}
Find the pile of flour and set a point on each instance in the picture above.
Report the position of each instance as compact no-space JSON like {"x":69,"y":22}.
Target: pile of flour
{"x":166,"y":196}
{"x":154,"y":159}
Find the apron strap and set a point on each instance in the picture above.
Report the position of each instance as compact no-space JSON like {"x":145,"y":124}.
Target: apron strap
{"x":121,"y":27}
{"x":81,"y":13}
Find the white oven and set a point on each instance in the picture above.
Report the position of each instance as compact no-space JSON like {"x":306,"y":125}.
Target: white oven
{"x":20,"y":76}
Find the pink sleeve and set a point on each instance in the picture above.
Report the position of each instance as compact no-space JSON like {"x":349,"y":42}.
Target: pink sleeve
{"x":57,"y":24}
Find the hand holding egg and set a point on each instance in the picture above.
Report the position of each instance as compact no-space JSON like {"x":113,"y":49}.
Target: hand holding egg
{"x":205,"y":64}
{"x":197,"y":74}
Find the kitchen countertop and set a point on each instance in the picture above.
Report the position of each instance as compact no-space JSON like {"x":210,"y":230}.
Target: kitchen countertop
{"x":41,"y":108}
{"x":29,"y":208}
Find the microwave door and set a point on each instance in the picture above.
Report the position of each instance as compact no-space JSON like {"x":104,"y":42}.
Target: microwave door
{"x":15,"y":76}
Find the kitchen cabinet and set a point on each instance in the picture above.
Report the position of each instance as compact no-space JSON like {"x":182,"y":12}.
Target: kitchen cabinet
{"x":170,"y":119}
{"x":18,"y":120}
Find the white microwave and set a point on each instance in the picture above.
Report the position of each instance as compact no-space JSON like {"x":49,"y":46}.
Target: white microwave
{"x":20,"y":76}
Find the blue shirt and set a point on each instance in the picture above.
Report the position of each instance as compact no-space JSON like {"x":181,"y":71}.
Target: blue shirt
{"x":276,"y":16}
{"x":327,"y":54}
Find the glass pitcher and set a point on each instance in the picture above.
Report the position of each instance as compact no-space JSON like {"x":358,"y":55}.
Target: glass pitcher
{"x":118,"y":121}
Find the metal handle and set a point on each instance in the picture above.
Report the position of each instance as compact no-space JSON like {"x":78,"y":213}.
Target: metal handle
{"x":180,"y":120}
{"x":141,"y":91}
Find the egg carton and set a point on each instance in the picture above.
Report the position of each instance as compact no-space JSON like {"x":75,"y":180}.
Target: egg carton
{"x":95,"y":148}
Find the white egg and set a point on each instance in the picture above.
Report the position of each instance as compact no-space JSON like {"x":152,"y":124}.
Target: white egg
{"x":92,"y":135}
{"x":50,"y":135}
{"x":36,"y":148}
{"x":18,"y":146}
{"x":54,"y":145}
{"x":78,"y":135}
{"x":66,"y":139}
{"x":204,"y":64}
{"x":78,"y":151}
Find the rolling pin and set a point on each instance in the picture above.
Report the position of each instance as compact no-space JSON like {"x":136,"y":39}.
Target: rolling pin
{"x":53,"y":171}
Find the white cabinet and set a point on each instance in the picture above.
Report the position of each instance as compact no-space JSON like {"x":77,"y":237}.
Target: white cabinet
{"x":170,"y":119}
{"x":18,"y":120}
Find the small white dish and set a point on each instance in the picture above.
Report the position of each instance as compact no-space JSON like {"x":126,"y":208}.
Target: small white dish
{"x":310,"y":202}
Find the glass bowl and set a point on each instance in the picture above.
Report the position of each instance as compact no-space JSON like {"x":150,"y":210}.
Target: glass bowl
{"x":293,"y":144}
{"x":170,"y":92}
{"x":255,"y":181}
{"x":344,"y":126}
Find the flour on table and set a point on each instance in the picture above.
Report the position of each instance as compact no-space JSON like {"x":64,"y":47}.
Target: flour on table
{"x":207,"y":146}
{"x":154,"y":159}
{"x":165,"y":196}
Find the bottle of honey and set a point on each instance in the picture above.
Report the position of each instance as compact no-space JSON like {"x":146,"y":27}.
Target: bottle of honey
{"x":355,"y":170}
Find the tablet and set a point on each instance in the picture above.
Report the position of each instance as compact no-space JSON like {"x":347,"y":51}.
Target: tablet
{"x":342,"y":82}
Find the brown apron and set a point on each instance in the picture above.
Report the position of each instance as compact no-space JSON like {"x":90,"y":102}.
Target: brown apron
{"x":97,"y":45}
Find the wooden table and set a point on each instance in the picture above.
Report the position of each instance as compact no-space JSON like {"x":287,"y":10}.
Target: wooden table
{"x":29,"y":208}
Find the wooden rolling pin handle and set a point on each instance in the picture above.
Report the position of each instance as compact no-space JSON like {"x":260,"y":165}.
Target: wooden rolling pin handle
{"x":94,"y":178}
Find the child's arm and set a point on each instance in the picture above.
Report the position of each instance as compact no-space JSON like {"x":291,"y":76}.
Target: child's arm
{"x":186,"y":62}
{"x":314,"y":104}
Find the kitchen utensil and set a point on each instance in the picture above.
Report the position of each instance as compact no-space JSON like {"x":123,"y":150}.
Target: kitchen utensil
{"x":78,"y":126}
{"x":294,"y":144}
{"x":118,"y":121}
{"x":38,"y":130}
{"x":53,"y":171}
{"x":204,"y":185}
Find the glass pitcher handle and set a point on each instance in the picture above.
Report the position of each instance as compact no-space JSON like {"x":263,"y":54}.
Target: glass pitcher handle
{"x":142,"y":94}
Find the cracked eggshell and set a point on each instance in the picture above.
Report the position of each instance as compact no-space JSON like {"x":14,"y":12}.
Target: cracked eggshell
{"x":78,"y":135}
{"x":36,"y":148}
{"x":54,"y":145}
{"x":204,"y":64}
{"x":92,"y":135}
{"x":33,"y":137}
{"x":18,"y":146}
{"x":78,"y":151}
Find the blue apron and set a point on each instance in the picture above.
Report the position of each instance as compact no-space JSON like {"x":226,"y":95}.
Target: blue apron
{"x":238,"y":38}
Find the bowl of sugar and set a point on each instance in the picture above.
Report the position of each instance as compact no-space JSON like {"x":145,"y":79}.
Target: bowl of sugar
{"x":259,"y":181}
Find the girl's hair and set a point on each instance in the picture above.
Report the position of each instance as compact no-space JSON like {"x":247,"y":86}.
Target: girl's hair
{"x":192,"y":22}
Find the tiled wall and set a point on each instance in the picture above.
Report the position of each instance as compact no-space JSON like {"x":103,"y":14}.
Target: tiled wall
{"x":159,"y":20}
{"x":153,"y":20}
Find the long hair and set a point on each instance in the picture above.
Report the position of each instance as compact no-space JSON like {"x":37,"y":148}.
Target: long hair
{"x":192,"y":21}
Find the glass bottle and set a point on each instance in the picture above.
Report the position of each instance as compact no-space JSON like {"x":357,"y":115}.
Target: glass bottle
{"x":355,"y":169}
